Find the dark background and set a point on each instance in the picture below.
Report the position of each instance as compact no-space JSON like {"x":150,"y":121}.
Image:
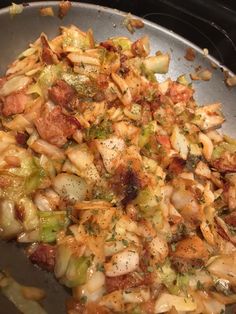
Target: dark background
{"x":207,"y":23}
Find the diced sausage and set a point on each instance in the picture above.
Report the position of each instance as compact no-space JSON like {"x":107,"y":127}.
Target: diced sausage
{"x":21,"y":138}
{"x":14,"y":103}
{"x":189,"y":252}
{"x":177,"y":165}
{"x":125,"y":282}
{"x":64,"y":7}
{"x":108,"y":45}
{"x":190,"y":54}
{"x":44,"y":256}
{"x":164,"y":140}
{"x":183,"y":265}
{"x":231,"y":219}
{"x":55,"y":127}
{"x":62,"y":94}
{"x":74,"y":306}
{"x":179,"y":92}
{"x":225,"y":164}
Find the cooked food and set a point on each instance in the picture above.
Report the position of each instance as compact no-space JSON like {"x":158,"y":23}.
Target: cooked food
{"x":120,"y":184}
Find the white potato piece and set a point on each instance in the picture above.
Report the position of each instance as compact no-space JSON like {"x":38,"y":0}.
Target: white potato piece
{"x":70,"y":187}
{"x":110,"y":150}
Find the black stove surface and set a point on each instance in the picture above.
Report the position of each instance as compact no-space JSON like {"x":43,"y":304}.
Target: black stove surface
{"x":209,"y":24}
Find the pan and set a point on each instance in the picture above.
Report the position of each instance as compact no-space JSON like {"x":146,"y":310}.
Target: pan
{"x":15,"y":35}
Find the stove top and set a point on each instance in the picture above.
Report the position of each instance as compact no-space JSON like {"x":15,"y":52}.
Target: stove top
{"x":209,"y":24}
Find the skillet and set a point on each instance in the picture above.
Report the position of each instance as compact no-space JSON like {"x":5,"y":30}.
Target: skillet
{"x":16,"y":33}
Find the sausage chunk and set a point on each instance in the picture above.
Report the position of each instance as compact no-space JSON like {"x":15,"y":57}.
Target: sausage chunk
{"x":62,"y":94}
{"x":14,"y":103}
{"x":44,"y":256}
{"x":55,"y":127}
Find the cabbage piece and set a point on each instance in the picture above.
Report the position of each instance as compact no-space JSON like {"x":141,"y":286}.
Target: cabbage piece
{"x":13,"y":291}
{"x":147,"y":201}
{"x":101,"y":131}
{"x":35,"y":178}
{"x":51,"y":222}
{"x":179,"y":142}
{"x":74,"y":39}
{"x":15,"y":9}
{"x":10,"y":227}
{"x":84,"y":86}
{"x":14,"y":84}
{"x":208,"y":117}
{"x":31,"y":220}
{"x":123,"y":42}
{"x":76,"y":273}
{"x":224,"y":266}
{"x":48,"y":76}
{"x":157,"y":64}
{"x":30,"y":170}
{"x":166,"y":301}
{"x":147,"y":130}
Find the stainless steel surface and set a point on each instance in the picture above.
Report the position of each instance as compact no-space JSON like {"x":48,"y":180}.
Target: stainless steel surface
{"x":17,"y":32}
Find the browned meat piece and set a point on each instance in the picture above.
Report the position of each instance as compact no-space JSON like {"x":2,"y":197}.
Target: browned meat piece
{"x":190,"y":54}
{"x":64,"y":7}
{"x":226,"y":163}
{"x":189,"y":252}
{"x":177,"y":165}
{"x":126,"y":282}
{"x":108,"y":45}
{"x":62,"y":94}
{"x":55,"y":127}
{"x":231,"y":219}
{"x":183,"y":265}
{"x":22,"y":138}
{"x":44,"y":256}
{"x":74,"y":306}
{"x":14,"y":103}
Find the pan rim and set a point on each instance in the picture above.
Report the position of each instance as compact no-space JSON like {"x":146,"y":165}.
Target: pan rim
{"x":119,"y":13}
